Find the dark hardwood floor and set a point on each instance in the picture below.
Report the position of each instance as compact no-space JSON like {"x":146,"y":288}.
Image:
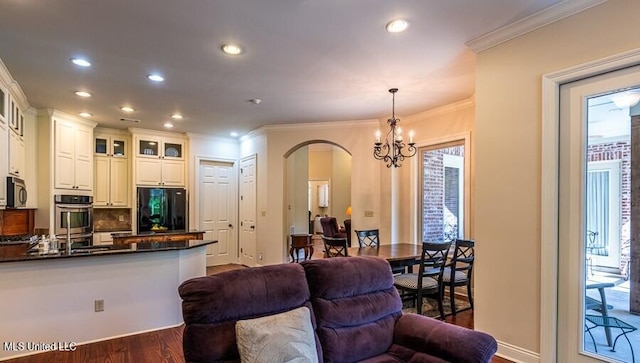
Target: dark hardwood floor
{"x":162,"y":345}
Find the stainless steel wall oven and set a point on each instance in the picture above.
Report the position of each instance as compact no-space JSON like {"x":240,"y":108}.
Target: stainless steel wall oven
{"x":74,"y":218}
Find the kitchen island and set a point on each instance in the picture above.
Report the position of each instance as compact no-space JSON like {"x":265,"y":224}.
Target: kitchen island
{"x":57,"y":297}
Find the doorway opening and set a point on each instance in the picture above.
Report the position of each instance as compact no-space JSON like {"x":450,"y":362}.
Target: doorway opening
{"x":318,"y":184}
{"x":598,"y":143}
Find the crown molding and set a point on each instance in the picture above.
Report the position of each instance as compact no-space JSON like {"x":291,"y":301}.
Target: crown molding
{"x":201,"y":136}
{"x":443,"y":110}
{"x":523,"y":26}
{"x":53,"y":113}
{"x":321,"y":125}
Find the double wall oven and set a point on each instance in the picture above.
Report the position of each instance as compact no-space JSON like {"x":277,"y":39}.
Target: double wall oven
{"x":74,"y":219}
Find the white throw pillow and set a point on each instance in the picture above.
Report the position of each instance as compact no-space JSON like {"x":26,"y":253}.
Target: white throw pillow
{"x":284,"y":337}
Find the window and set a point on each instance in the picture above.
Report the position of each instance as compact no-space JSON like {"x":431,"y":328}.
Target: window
{"x":442,"y":192}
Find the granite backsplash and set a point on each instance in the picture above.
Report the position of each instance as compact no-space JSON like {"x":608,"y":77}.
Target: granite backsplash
{"x":111,"y":219}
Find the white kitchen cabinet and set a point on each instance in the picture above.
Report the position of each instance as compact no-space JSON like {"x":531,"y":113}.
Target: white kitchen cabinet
{"x":17,"y":164}
{"x":111,"y":166}
{"x":15,"y":116}
{"x":159,"y":160}
{"x":4,"y":162}
{"x":111,"y":188}
{"x":73,"y":156}
{"x":110,"y":143}
{"x":4,"y":96}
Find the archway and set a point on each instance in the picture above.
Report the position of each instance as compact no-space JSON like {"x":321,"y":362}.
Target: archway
{"x":318,"y":183}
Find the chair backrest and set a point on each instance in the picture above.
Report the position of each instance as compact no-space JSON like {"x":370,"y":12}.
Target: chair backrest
{"x":432,"y":260}
{"x":347,"y":230}
{"x":335,"y":247}
{"x":329,"y":226}
{"x":463,"y":255}
{"x":355,"y":305}
{"x":368,"y":237}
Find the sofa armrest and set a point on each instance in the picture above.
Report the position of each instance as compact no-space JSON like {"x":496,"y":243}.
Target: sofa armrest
{"x":447,"y":341}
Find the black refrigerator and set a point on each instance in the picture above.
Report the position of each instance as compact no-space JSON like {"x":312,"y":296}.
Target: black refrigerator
{"x":162,"y":209}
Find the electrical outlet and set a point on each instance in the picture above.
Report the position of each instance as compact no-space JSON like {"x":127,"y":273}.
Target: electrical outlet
{"x":98,"y":305}
{"x":260,"y":256}
{"x":121,"y":218}
{"x":368,"y":213}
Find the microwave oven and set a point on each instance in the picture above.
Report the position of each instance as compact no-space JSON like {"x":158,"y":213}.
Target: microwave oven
{"x":16,"y":193}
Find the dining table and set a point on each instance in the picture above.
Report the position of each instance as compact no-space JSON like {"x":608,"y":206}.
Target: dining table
{"x":399,"y":255}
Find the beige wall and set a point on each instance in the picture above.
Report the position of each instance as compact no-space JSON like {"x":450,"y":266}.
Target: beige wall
{"x":272,"y":143}
{"x":341,"y":180}
{"x":508,"y":160}
{"x":444,"y":124}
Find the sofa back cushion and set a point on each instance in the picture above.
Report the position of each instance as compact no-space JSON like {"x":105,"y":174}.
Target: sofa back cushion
{"x":355,"y":304}
{"x":212,"y":305}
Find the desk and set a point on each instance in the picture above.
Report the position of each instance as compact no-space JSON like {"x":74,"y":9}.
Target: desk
{"x":601,"y":306}
{"x":298,"y":242}
{"x":398,"y":255}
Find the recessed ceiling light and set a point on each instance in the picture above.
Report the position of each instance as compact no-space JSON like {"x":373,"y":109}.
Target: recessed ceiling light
{"x":177,"y":116}
{"x":168,"y":125}
{"x":234,"y":134}
{"x":231,"y":49}
{"x":85,"y":114}
{"x":83,"y":94}
{"x":255,"y":101}
{"x":127,"y":109}
{"x":397,"y":26}
{"x":156,"y":77}
{"x":81,"y":62}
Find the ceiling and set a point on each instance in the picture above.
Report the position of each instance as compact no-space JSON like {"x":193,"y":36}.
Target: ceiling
{"x":307,"y":60}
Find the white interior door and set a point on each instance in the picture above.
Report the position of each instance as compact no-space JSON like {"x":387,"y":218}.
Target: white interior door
{"x":217,"y":210}
{"x":248,"y":211}
{"x":574,"y":124}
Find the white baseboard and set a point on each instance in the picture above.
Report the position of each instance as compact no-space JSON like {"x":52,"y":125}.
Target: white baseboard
{"x":517,"y":354}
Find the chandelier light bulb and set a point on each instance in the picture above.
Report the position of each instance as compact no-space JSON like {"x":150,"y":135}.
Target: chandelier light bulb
{"x":378,"y":136}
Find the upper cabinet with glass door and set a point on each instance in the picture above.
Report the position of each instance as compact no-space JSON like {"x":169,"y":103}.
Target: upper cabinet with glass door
{"x":106,"y":144}
{"x":160,"y":147}
{"x":3,"y":105}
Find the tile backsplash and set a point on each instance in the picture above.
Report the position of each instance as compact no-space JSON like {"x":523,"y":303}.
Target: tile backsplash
{"x":111,"y":219}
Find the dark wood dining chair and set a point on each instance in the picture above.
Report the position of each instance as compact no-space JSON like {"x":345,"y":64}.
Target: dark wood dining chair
{"x":427,"y":282}
{"x":368,"y":237}
{"x":371,"y":238}
{"x":458,"y":271}
{"x":335,"y":247}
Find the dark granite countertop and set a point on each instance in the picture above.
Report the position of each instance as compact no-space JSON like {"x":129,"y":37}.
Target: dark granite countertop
{"x":106,"y":250}
{"x":152,"y":233}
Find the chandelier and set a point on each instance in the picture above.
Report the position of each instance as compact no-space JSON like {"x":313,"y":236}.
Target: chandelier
{"x":391,"y":151}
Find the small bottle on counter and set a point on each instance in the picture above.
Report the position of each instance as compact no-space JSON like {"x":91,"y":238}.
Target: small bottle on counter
{"x":43,"y":245}
{"x":53,"y":244}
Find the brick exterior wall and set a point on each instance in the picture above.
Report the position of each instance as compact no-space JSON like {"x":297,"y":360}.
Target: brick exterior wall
{"x":618,"y":151}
